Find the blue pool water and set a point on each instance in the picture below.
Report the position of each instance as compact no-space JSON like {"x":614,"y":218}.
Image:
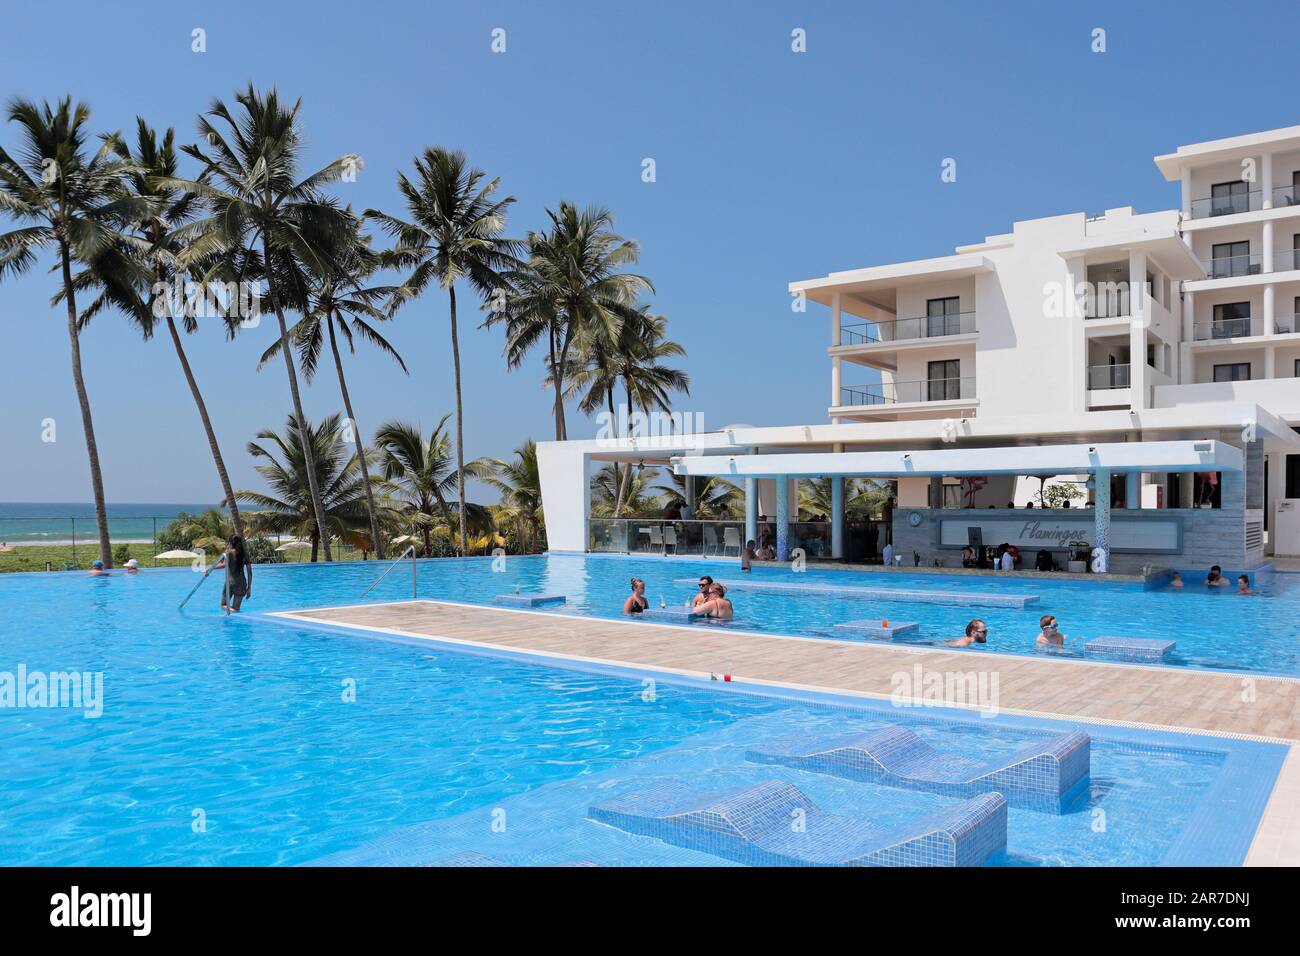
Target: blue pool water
{"x":230,"y":741}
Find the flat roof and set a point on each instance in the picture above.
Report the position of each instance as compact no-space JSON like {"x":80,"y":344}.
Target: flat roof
{"x":874,"y":287}
{"x":1222,"y":150}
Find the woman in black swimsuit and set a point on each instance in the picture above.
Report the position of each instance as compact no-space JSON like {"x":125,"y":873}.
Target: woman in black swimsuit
{"x":239,"y":575}
{"x":636,"y":602}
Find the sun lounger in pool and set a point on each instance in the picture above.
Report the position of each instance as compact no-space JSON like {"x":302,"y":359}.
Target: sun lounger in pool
{"x":471,"y":858}
{"x":1044,"y":776}
{"x":774,"y":824}
{"x":529,"y":600}
{"x":887,"y":595}
{"x":1129,"y":648}
{"x":878,"y":629}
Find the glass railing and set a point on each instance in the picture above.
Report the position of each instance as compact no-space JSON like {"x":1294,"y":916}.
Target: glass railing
{"x":1227,"y":329}
{"x":1286,"y":324}
{"x":1226,"y":205}
{"x":1286,"y":260}
{"x":924,"y":327}
{"x":1286,"y":196}
{"x":1244,"y":265}
{"x":1108,"y":376}
{"x":1104,"y":302}
{"x":891,"y":393}
{"x":706,"y":538}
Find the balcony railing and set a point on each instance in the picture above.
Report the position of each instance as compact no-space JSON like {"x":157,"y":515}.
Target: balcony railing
{"x":1227,"y":205}
{"x":1286,"y":260}
{"x":1227,"y":329}
{"x":1286,"y":324}
{"x":924,"y":327}
{"x":1108,"y":376}
{"x":1103,"y":301}
{"x":1244,"y":265}
{"x":1286,"y":196}
{"x":708,"y":539}
{"x":894,"y":393}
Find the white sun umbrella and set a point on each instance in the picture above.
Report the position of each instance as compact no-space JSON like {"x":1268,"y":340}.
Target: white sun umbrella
{"x":294,"y":546}
{"x":177,"y":554}
{"x":402,"y":539}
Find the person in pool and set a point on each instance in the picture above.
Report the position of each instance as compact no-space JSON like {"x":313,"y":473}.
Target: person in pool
{"x":239,"y":575}
{"x":706,"y":584}
{"x":97,"y":569}
{"x":1215,"y":578}
{"x":1049,"y":633}
{"x":132,"y":567}
{"x":715,"y":605}
{"x":636,"y":601}
{"x":977,"y":632}
{"x":748,"y":556}
{"x":1243,"y":585}
{"x":1176,"y":581}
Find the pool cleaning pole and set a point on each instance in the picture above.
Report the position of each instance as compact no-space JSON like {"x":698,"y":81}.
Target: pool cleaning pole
{"x":192,"y":590}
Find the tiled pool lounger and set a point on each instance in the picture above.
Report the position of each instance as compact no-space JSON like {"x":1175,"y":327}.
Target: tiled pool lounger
{"x":901,"y":596}
{"x":759,"y":825}
{"x":1129,"y":648}
{"x":1044,"y":776}
{"x":529,"y":600}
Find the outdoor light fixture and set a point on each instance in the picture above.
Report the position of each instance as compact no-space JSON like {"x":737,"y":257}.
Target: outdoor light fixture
{"x":1092,"y":449}
{"x":1203,"y":447}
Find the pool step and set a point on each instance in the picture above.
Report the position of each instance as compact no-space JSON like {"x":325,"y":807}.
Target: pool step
{"x":960,"y":598}
{"x":529,"y":600}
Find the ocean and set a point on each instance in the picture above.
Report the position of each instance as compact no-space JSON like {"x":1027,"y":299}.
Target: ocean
{"x":27,"y":523}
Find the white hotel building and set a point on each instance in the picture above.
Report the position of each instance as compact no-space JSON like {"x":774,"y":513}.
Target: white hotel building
{"x":1152,"y":358}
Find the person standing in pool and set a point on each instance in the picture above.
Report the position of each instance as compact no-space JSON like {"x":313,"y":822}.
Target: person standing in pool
{"x":977,"y":632}
{"x":706,"y":586}
{"x":1215,"y":578}
{"x":747,"y":556}
{"x":1049,"y":633}
{"x":715,"y":604}
{"x":239,"y":575}
{"x":1176,"y":581}
{"x":636,"y":602}
{"x":1243,"y":585}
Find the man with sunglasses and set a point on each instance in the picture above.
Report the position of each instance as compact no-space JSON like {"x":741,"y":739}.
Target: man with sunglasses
{"x":977,"y":632}
{"x":706,"y":585}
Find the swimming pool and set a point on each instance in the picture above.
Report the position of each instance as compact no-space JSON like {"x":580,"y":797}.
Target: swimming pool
{"x":245,"y":741}
{"x":1213,"y":629}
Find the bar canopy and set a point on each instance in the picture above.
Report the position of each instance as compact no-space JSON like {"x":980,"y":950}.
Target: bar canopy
{"x":1152,"y":456}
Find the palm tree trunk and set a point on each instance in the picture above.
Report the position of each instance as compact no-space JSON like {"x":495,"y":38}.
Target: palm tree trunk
{"x":557,"y":382}
{"x":304,"y":436}
{"x":226,"y":487}
{"x":618,"y":500}
{"x":88,"y":426}
{"x":361,"y":451}
{"x":460,"y":422}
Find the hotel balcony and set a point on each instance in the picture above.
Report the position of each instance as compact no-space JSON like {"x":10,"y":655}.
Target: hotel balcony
{"x":907,"y":330}
{"x":1209,"y":207}
{"x":1226,"y":329}
{"x":915,"y":399}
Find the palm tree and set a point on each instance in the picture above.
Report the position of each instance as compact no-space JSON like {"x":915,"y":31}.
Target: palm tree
{"x":572,"y":288}
{"x":289,"y":509}
{"x":863,"y":497}
{"x":422,"y":475}
{"x":454,"y":233}
{"x":637,"y":501}
{"x":141,"y":275}
{"x":714,"y":497}
{"x":634,"y":358}
{"x":520,"y":484}
{"x":340,"y":305}
{"x":74,"y":204}
{"x":209,"y":531}
{"x":267,"y":221}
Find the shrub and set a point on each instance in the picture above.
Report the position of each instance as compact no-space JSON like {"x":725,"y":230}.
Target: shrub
{"x":121,"y":554}
{"x":262,"y":551}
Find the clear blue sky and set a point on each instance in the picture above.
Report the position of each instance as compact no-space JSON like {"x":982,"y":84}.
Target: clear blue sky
{"x":772,"y":166}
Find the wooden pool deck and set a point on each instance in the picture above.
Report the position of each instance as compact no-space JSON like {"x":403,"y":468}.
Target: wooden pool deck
{"x":1206,"y":702}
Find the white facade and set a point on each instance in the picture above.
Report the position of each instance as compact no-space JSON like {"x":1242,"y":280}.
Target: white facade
{"x":1156,"y":328}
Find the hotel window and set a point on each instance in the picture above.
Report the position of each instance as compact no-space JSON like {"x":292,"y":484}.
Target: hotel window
{"x":1232,"y":372}
{"x":1230,"y":320}
{"x":1227,"y":198}
{"x":943,"y":380}
{"x":1230,"y":259}
{"x":943,"y":316}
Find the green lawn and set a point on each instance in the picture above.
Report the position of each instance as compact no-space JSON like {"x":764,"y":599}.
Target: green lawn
{"x":34,"y":558}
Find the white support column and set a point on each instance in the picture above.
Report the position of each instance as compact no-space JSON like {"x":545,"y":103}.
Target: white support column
{"x":1266,"y":253}
{"x":1132,"y":490}
{"x":1141,"y":318}
{"x":1101,"y":513}
{"x":837,"y":516}
{"x":1266,"y":180}
{"x":836,"y":316}
{"x":1187,"y":194}
{"x":1076,"y":271}
{"x":782,"y":518}
{"x":1270,"y":308}
{"x":1186,"y":367}
{"x":751,"y":510}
